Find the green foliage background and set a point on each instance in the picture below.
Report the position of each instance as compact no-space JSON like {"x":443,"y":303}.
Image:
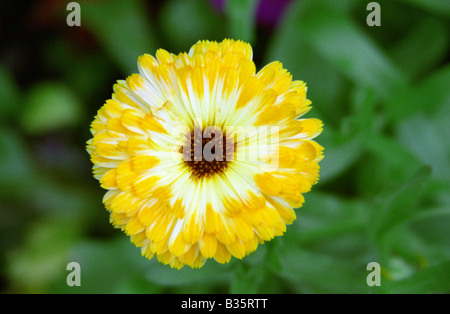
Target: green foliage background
{"x":382,"y":92}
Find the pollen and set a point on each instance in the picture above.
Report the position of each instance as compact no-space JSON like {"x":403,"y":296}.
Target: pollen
{"x":207,"y":153}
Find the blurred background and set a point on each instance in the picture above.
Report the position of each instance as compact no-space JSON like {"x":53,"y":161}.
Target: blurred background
{"x":382,"y":92}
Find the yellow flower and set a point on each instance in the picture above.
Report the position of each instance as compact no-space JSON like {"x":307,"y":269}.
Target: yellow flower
{"x":202,"y":156}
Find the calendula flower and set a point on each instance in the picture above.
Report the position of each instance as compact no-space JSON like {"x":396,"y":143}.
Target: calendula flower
{"x":203,"y":157}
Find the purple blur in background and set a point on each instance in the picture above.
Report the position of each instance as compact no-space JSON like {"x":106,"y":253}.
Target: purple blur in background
{"x":268,"y":12}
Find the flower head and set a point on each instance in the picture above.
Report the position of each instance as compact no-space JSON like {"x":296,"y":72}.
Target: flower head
{"x":203,"y":157}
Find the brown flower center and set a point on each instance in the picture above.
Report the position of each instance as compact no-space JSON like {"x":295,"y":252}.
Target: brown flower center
{"x":207,"y":151}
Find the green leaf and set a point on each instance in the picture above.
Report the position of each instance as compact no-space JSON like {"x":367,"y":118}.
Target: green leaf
{"x":42,"y":260}
{"x":212,"y":273}
{"x":317,"y":273}
{"x":15,"y":164}
{"x":246,"y":280}
{"x":397,"y":204}
{"x":394,"y":162}
{"x":241,"y":16}
{"x":340,"y":155}
{"x":50,"y":106}
{"x":363,"y":119}
{"x":427,"y":142}
{"x":107,"y":266}
{"x":123,"y":29}
{"x":441,"y":7}
{"x":409,"y":54}
{"x":429,"y":97}
{"x":87,"y":74}
{"x":433,"y":279}
{"x":183,"y":23}
{"x":331,"y":225}
{"x":348,"y":49}
{"x":9,"y":94}
{"x":432,"y":226}
{"x":325,"y":216}
{"x":403,"y":243}
{"x":136,"y":284}
{"x":398,"y":268}
{"x":274,"y":261}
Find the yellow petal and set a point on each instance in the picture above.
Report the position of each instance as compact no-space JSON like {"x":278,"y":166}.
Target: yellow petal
{"x":222,"y":254}
{"x":208,"y":245}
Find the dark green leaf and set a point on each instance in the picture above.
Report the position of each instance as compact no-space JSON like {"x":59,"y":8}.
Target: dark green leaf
{"x":397,"y":203}
{"x":433,"y":279}
{"x":348,"y":49}
{"x":396,"y":163}
{"x":274,"y":260}
{"x":427,"y":143}
{"x":50,"y":106}
{"x":339,"y":156}
{"x":212,"y":273}
{"x":441,"y":7}
{"x":325,"y":216}
{"x":186,"y":22}
{"x":15,"y":164}
{"x":363,"y":119}
{"x":9,"y":94}
{"x":432,"y":226}
{"x":246,"y":279}
{"x":408,"y":52}
{"x":106,"y":265}
{"x":317,"y":273}
{"x":42,"y":261}
{"x":429,"y":97}
{"x":122,"y":27}
{"x":241,"y":16}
